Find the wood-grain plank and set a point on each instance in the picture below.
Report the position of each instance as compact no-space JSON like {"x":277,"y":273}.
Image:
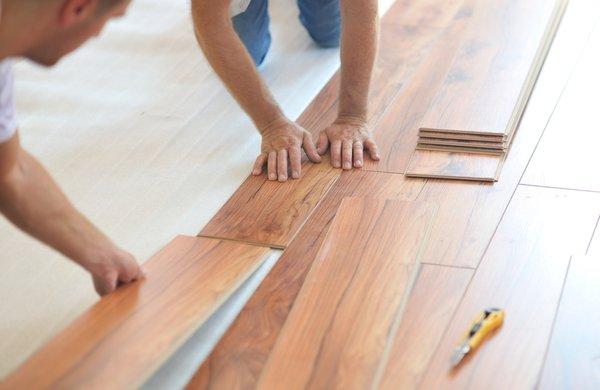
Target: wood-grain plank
{"x":271,"y":213}
{"x":469,"y":214}
{"x":573,"y":359}
{"x":568,"y":155}
{"x":440,"y":164}
{"x":522,"y":272}
{"x":433,"y":300}
{"x":355,"y":292}
{"x":487,"y":86}
{"x":121,"y":340}
{"x":238,"y":359}
{"x":396,"y":133}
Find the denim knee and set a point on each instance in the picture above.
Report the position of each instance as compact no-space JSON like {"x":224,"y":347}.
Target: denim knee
{"x":252,"y":26}
{"x":322,"y":20}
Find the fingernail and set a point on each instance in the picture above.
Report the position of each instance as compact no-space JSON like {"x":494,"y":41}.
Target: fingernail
{"x":359,"y":163}
{"x":347,"y":166}
{"x":272,"y":177}
{"x":282,"y":178}
{"x":295,"y":175}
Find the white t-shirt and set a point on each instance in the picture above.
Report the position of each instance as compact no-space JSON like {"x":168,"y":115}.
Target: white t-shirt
{"x":236,"y":7}
{"x":8,"y":123}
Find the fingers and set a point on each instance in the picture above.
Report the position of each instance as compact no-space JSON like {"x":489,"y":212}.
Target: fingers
{"x":259,"y":163}
{"x":372,"y":148}
{"x":309,"y":148}
{"x":357,"y":151}
{"x":105,"y":285}
{"x":272,"y":166}
{"x":336,"y":153}
{"x":296,"y":162}
{"x":322,"y":143}
{"x":282,"y":165}
{"x":347,"y":154}
{"x":130,"y":270}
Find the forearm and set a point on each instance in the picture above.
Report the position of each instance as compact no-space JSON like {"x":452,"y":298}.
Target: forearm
{"x":32,"y":201}
{"x":232,"y":63}
{"x":360,"y":33}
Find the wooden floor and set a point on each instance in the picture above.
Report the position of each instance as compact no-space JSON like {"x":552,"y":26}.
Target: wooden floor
{"x":509,"y":244}
{"x":146,"y":141}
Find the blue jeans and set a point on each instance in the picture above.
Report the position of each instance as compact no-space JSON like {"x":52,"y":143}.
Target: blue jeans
{"x":321,"y":18}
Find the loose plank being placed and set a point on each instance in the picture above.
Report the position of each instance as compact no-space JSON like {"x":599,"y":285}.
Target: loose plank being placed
{"x":573,"y":360}
{"x":522,"y":272}
{"x":120,"y":341}
{"x":353,"y":297}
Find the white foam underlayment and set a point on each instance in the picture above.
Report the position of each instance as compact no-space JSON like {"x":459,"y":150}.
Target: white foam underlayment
{"x":145,"y":140}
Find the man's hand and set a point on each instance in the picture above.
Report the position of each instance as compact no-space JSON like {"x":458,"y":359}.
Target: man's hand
{"x":283,"y":141}
{"x":348,"y":138}
{"x":112,"y":267}
{"x":30,"y":199}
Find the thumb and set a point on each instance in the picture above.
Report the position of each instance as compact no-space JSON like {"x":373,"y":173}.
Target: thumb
{"x":309,"y":148}
{"x":322,"y":143}
{"x":105,"y":285}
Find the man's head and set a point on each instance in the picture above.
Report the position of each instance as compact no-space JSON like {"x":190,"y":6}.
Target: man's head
{"x":50,"y":29}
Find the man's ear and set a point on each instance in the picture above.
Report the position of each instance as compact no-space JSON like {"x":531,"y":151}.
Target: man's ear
{"x":74,"y":11}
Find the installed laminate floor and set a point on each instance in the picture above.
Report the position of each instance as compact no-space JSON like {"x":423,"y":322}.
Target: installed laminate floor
{"x":159,"y":178}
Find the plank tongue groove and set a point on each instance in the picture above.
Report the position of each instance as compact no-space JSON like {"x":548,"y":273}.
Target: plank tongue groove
{"x":337,"y":331}
{"x":573,"y":360}
{"x":126,"y":336}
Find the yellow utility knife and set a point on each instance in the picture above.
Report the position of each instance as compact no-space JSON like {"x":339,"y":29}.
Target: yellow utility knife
{"x":482,"y":326}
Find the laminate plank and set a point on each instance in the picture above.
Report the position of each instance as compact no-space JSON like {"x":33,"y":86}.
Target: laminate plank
{"x":457,"y":136}
{"x":120,"y":341}
{"x":573,"y":359}
{"x":435,"y":296}
{"x":431,"y":13}
{"x":270,"y":213}
{"x":487,"y":86}
{"x":528,"y":254}
{"x":567,"y":156}
{"x":454,"y":165}
{"x":397,"y":131}
{"x":355,"y":292}
{"x":457,"y":149}
{"x":238,"y":359}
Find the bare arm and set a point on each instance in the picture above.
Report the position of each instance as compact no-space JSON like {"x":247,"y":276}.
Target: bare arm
{"x":282,"y":139}
{"x":350,"y":132}
{"x":33,"y":202}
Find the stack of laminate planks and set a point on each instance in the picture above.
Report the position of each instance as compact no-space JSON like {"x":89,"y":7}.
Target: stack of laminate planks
{"x":477,"y":109}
